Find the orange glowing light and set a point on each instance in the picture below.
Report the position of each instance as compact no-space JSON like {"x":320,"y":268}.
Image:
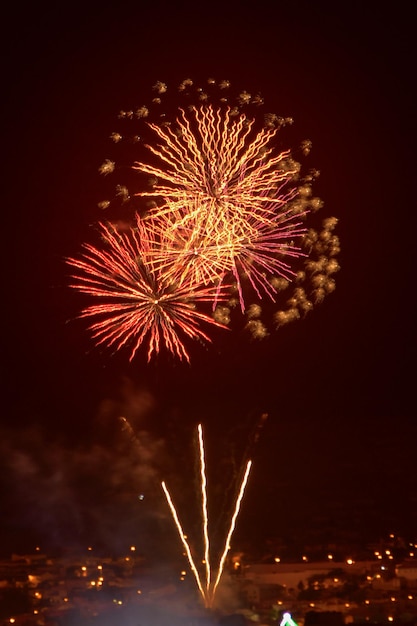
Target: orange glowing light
{"x":208,"y":591}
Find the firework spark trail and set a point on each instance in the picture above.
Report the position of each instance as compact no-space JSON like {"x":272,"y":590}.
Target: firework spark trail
{"x":184,"y":540}
{"x":190,"y":248}
{"x":208,"y":594}
{"x":204,"y":508}
{"x":258,"y":255}
{"x":205,"y":249}
{"x":209,"y":162}
{"x":232,"y":528}
{"x":128,"y":429}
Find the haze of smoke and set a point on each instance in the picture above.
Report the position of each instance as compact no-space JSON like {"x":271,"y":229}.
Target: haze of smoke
{"x":97,"y":494}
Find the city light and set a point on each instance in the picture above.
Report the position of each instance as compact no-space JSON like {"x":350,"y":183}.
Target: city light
{"x":389,"y":597}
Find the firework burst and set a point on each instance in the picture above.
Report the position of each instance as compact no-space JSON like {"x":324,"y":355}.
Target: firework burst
{"x":140,"y":304}
{"x":228,"y":221}
{"x":217,"y":158}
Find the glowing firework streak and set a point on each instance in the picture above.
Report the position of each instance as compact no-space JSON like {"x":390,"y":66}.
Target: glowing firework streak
{"x":208,"y":594}
{"x":204,"y":507}
{"x":184,"y":540}
{"x":221,"y":159}
{"x":208,"y":244}
{"x":232,"y":527}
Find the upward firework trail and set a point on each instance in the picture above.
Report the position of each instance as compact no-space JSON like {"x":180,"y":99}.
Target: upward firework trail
{"x":232,"y":526}
{"x":207,"y":591}
{"x":184,"y":540}
{"x":204,"y":507}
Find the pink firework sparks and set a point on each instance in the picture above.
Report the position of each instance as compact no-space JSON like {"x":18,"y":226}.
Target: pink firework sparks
{"x":139,"y":304}
{"x":203,"y":247}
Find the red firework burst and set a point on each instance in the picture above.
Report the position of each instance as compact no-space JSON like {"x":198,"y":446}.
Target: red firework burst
{"x":140,"y":304}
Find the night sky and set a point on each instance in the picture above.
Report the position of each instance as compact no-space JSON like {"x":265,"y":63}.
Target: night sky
{"x":338,"y":386}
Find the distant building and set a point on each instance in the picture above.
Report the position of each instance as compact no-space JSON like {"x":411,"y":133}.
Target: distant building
{"x":325,"y":618}
{"x":407,"y":573}
{"x":292,"y":575}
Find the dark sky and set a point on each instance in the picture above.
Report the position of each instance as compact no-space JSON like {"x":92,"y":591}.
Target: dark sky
{"x":339,"y":383}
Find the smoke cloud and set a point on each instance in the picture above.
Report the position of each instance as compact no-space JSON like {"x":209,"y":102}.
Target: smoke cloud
{"x":104,"y":492}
